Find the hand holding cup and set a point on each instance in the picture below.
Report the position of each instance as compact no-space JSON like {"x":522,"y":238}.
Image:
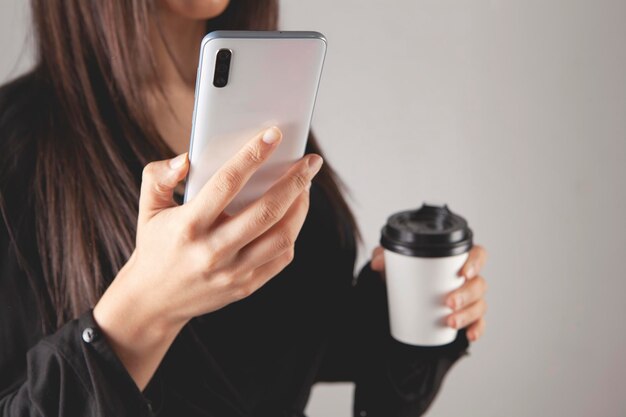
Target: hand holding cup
{"x":435,"y":281}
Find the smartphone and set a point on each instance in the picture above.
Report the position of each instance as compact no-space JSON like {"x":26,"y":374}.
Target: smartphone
{"x":249,"y":81}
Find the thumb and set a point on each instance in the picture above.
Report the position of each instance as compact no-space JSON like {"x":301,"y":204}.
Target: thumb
{"x":378,"y":259}
{"x":157,"y":185}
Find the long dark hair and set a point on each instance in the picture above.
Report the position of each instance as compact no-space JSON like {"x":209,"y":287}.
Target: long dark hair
{"x":97,"y":134}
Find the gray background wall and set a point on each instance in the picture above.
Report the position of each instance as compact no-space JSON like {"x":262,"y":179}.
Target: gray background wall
{"x":514,"y":113}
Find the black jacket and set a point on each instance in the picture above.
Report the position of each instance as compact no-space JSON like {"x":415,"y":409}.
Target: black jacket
{"x":257,"y":357}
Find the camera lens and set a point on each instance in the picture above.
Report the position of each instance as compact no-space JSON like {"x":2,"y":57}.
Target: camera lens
{"x":223,"y":54}
{"x":219,"y":81}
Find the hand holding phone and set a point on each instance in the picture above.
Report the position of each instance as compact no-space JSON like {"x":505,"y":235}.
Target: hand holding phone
{"x":191,"y":259}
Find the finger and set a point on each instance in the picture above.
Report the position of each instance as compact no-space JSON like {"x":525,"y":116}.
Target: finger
{"x":378,"y":262}
{"x":468,"y":315}
{"x":261,"y":275}
{"x":278,"y":239}
{"x":470,"y":292}
{"x":378,"y":250}
{"x":157,"y":185}
{"x":230,"y":178}
{"x":475,"y":261}
{"x":263,"y":213}
{"x":476,"y":330}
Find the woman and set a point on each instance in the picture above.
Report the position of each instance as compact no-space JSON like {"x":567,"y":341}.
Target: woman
{"x":116,"y":301}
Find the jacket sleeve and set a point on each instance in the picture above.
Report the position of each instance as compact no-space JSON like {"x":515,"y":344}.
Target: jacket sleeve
{"x":392,"y":379}
{"x":72,"y":372}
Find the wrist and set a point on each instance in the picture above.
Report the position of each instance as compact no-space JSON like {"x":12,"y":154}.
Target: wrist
{"x":130,"y":319}
{"x":135,"y":324}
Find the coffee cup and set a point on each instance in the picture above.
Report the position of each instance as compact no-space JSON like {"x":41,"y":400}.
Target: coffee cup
{"x":424,"y":250}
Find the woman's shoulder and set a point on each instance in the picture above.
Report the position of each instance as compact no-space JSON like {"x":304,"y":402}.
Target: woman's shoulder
{"x":22,"y":95}
{"x":24,"y":103}
{"x":21,"y":110}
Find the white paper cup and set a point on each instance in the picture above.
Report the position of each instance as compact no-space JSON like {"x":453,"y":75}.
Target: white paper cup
{"x":416,"y":289}
{"x":424,"y":251}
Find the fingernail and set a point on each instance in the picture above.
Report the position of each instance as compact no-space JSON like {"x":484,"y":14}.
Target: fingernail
{"x":271,"y":135}
{"x":178,"y":161}
{"x":470,"y":272}
{"x":315,"y":163}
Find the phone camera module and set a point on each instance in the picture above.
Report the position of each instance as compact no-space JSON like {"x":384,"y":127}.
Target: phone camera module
{"x":222,"y":68}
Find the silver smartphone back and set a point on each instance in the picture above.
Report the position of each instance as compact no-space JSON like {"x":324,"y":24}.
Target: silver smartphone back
{"x":272,"y":80}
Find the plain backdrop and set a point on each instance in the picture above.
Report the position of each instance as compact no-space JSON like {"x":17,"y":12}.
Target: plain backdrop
{"x":514,"y":113}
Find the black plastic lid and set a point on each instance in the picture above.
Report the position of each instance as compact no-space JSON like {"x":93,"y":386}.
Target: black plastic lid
{"x":429,"y":232}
